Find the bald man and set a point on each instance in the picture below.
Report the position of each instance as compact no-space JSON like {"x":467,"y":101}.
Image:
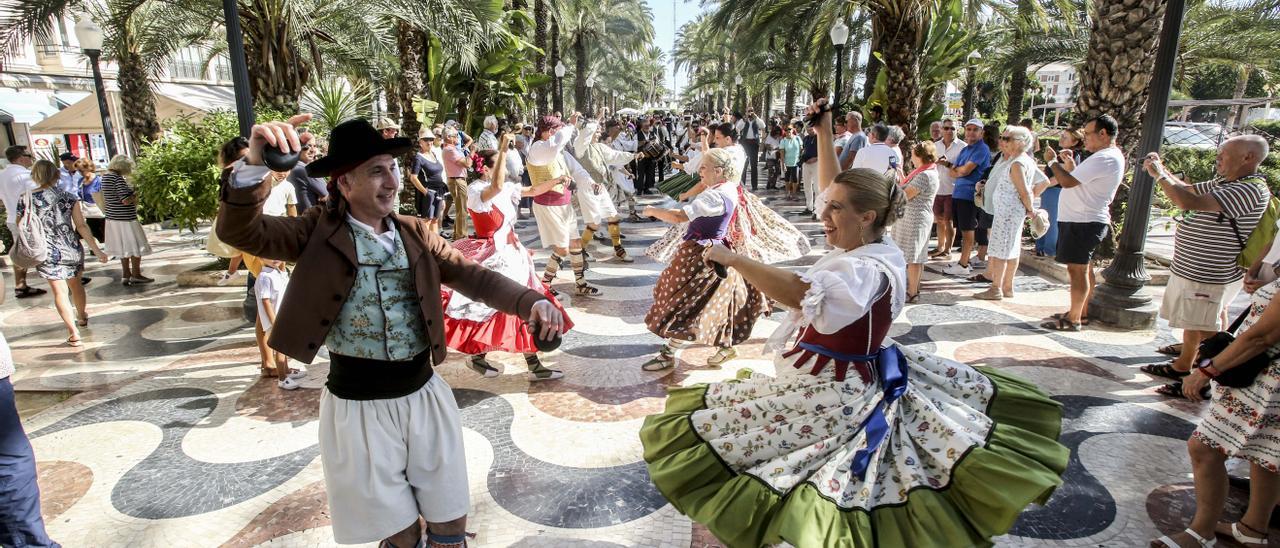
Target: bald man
{"x":1204,"y":276}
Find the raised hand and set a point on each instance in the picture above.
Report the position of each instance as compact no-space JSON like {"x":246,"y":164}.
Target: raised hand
{"x":281,"y":135}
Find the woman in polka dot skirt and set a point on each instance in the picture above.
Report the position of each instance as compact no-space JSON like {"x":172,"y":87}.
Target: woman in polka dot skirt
{"x":691,"y":303}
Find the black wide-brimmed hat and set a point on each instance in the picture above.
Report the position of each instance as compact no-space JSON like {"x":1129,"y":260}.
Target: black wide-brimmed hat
{"x":353,"y":142}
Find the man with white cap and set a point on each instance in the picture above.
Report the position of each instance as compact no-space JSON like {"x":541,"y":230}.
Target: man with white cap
{"x":967,"y":169}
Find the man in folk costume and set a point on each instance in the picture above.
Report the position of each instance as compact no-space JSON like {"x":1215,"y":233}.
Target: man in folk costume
{"x":623,"y":187}
{"x":390,"y":431}
{"x":553,"y":209}
{"x":593,"y":197}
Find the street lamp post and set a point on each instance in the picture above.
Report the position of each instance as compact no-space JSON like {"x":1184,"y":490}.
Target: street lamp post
{"x":560,"y":87}
{"x":239,"y":71}
{"x":839,"y":35}
{"x":591,"y":84}
{"x":1122,"y":299}
{"x":89,"y":34}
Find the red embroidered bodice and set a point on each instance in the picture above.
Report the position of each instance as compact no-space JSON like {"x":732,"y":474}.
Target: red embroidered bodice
{"x":855,"y":344}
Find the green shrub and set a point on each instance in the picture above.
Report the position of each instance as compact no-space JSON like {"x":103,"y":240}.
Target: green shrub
{"x":177,"y":175}
{"x":1270,"y":129}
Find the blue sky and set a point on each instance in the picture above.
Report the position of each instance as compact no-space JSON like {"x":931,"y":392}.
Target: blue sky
{"x":665,"y":31}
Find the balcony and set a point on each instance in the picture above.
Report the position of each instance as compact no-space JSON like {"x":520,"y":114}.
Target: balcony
{"x":186,"y":70}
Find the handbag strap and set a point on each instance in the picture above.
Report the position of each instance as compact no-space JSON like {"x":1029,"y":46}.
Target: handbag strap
{"x":1239,"y":320}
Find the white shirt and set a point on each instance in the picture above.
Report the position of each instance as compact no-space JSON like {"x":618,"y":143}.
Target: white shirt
{"x":515,"y":166}
{"x":745,"y":131}
{"x":947,"y":183}
{"x":1099,"y":176}
{"x":842,"y":139}
{"x":542,"y":153}
{"x":740,"y":158}
{"x":387,"y":238}
{"x":878,"y":157}
{"x":270,"y":284}
{"x":282,"y":195}
{"x":15,"y":181}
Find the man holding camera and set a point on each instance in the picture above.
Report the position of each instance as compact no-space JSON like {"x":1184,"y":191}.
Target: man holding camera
{"x":390,"y":431}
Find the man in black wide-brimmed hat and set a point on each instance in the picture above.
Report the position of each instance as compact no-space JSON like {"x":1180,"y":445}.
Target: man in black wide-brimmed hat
{"x":390,"y":432}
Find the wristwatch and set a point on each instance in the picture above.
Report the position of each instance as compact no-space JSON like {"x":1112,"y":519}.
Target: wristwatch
{"x":1206,"y":366}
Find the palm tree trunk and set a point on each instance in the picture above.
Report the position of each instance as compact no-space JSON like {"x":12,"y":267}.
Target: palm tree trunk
{"x":137,"y":101}
{"x":1242,"y":85}
{"x":579,"y":73}
{"x":540,"y":40}
{"x":900,"y":48}
{"x":1116,"y":74}
{"x":790,"y":99}
{"x":277,"y":69}
{"x":1017,"y":92}
{"x":873,"y":63}
{"x":555,"y":60}
{"x":409,"y":46}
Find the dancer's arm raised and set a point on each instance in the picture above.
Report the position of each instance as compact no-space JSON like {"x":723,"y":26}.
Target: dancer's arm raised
{"x":828,"y":163}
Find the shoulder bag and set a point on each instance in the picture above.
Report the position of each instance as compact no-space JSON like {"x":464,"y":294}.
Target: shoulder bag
{"x":1240,"y":376}
{"x":30,"y":248}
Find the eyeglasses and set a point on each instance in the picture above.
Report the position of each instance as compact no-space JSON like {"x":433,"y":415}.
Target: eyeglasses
{"x":1006,"y":137}
{"x":945,"y":128}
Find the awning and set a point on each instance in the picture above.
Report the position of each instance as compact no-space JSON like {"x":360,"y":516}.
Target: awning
{"x":172,"y":101}
{"x":26,"y":107}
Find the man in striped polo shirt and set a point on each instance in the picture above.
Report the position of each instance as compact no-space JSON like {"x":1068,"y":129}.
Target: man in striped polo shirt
{"x":1218,"y":217}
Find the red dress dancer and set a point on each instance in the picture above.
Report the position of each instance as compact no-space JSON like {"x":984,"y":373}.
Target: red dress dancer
{"x":472,"y":327}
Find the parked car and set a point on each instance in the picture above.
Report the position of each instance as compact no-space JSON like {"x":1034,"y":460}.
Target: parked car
{"x":1182,"y":136}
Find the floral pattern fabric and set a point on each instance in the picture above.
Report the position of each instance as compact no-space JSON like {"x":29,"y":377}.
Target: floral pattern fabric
{"x":806,"y":428}
{"x":760,"y":233}
{"x":53,"y":213}
{"x":1245,"y":422}
{"x":381,"y":318}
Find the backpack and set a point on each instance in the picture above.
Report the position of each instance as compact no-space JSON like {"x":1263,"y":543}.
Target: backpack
{"x":1259,"y":241}
{"x":30,"y":248}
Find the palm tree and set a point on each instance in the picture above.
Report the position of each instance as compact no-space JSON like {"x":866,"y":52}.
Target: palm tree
{"x":139,"y":36}
{"x":541,"y":13}
{"x":1116,"y":75}
{"x":601,"y":28}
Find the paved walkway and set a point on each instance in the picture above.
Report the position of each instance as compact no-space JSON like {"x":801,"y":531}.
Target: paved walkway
{"x":172,"y":439}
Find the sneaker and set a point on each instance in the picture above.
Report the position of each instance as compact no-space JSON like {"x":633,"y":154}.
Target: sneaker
{"x":140,"y":280}
{"x":296,"y":374}
{"x":956,"y":269}
{"x":224,"y":279}
{"x":288,"y":384}
{"x":544,"y":374}
{"x":978,"y":264}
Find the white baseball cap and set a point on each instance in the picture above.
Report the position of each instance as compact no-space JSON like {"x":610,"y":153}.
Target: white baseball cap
{"x":975,"y":122}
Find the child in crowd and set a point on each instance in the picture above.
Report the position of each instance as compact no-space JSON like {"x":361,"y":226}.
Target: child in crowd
{"x":270,"y":287}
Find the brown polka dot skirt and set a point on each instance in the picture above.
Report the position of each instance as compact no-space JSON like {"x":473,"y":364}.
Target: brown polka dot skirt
{"x":690,"y":303}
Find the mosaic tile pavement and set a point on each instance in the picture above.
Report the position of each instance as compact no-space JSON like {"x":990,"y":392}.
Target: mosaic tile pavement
{"x":171,"y":439}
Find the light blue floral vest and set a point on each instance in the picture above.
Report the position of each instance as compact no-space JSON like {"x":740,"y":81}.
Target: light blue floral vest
{"x":381,"y":318}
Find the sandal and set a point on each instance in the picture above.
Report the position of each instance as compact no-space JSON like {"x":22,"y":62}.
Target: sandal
{"x":27,"y":291}
{"x":82,"y":320}
{"x":586,"y":290}
{"x":979,"y":279}
{"x":480,"y":365}
{"x":665,"y":359}
{"x":74,"y":342}
{"x":1234,"y":529}
{"x":1060,"y":324}
{"x":992,"y":294}
{"x":1083,"y":321}
{"x":1174,"y":349}
{"x":1165,"y":370}
{"x":1174,"y":390}
{"x":913,"y":297}
{"x":725,"y":354}
{"x":1168,"y":542}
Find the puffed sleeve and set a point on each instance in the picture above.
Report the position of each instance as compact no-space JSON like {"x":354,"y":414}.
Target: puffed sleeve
{"x":841,"y":293}
{"x":475,"y":201}
{"x":707,"y":204}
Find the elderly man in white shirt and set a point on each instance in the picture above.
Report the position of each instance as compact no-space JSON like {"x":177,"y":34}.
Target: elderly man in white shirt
{"x":15,"y":181}
{"x":879,"y":156}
